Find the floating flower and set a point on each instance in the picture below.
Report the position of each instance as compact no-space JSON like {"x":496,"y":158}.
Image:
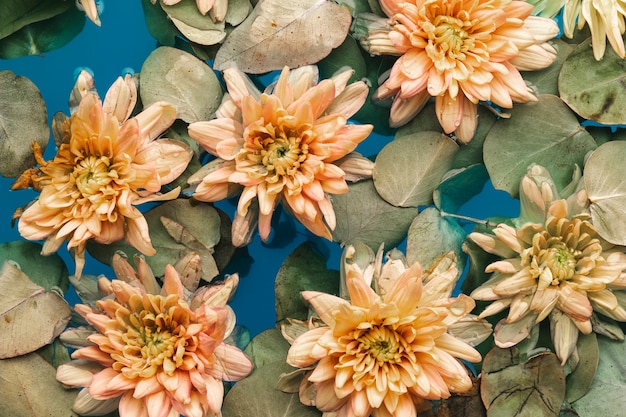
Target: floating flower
{"x":605,"y":20}
{"x":216,"y":8}
{"x":388,"y":353}
{"x":281,"y":145}
{"x":155,"y":351}
{"x":91,"y":10}
{"x":558,"y":268}
{"x":101,"y":170}
{"x":460,"y":52}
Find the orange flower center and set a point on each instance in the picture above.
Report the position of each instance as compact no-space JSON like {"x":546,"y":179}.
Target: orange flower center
{"x":155,"y":336}
{"x":275,"y":150}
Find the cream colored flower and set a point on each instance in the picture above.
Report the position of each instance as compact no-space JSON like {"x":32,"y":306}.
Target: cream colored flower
{"x":460,"y":52}
{"x":155,"y":353}
{"x":557,"y":268}
{"x":104,"y":166}
{"x":216,"y":8}
{"x":281,"y":145}
{"x":387,"y":353}
{"x":605,"y":19}
{"x":91,"y":10}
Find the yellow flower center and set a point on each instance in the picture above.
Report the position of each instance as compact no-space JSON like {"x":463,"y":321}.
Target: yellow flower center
{"x":276,"y":151}
{"x":565,"y":248}
{"x":380,"y":343}
{"x":448,"y":40}
{"x":155,"y":336}
{"x":92,"y":174}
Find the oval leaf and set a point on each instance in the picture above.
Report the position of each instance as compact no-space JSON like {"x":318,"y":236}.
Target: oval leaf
{"x":431,"y":235}
{"x":48,"y":271}
{"x":176,"y":228}
{"x":30,"y":317}
{"x":20,"y":101}
{"x":303,"y":269}
{"x":513,"y":389}
{"x":279,"y":33}
{"x":409,"y":168}
{"x":459,"y":186}
{"x":194,"y":25}
{"x":606,"y":394}
{"x":267,"y":347}
{"x":257,"y":395}
{"x":579,"y":381}
{"x":545,"y":133}
{"x":183,"y":80}
{"x":596,"y":90}
{"x":363,"y":216}
{"x":604,"y":181}
{"x":30,"y":389}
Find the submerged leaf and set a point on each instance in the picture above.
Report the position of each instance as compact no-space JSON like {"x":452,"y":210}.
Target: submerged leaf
{"x":269,"y":346}
{"x":183,"y":80}
{"x":18,"y":13}
{"x":410,"y":168}
{"x":30,"y":389}
{"x":30,"y":317}
{"x":23,"y":116}
{"x":44,"y":36}
{"x":279,"y":33}
{"x":303,"y":269}
{"x":48,"y":271}
{"x":579,"y":381}
{"x":546,"y":133}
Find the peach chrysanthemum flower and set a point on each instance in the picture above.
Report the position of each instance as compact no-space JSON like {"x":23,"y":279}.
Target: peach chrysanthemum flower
{"x":386,"y":354}
{"x":460,"y":52}
{"x":558,"y":268}
{"x":605,"y":20}
{"x":101,"y":170}
{"x":216,"y":8}
{"x":155,"y":354}
{"x":281,"y":145}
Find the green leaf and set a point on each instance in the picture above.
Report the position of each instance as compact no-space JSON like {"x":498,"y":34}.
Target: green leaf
{"x":43,"y":36}
{"x":579,"y":381}
{"x":431,"y":235}
{"x":30,"y":316}
{"x":55,"y":353}
{"x":604,"y":175}
{"x":596,"y":90}
{"x":269,"y":346}
{"x":23,"y":116}
{"x":545,"y":81}
{"x":348,"y":54}
{"x":47,"y":271}
{"x":194,"y":25}
{"x":363,"y":216}
{"x":183,"y":80}
{"x":257,"y":395}
{"x":606,"y":394}
{"x":545,"y":133}
{"x":18,"y":13}
{"x":303,"y":269}
{"x":510,"y":388}
{"x":30,"y":389}
{"x":409,"y":168}
{"x":459,"y":186}
{"x":279,"y":33}
{"x":176,"y":228}
{"x":158,"y":24}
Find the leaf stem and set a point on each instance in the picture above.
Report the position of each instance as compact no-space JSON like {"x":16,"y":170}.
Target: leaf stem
{"x":469,"y":219}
